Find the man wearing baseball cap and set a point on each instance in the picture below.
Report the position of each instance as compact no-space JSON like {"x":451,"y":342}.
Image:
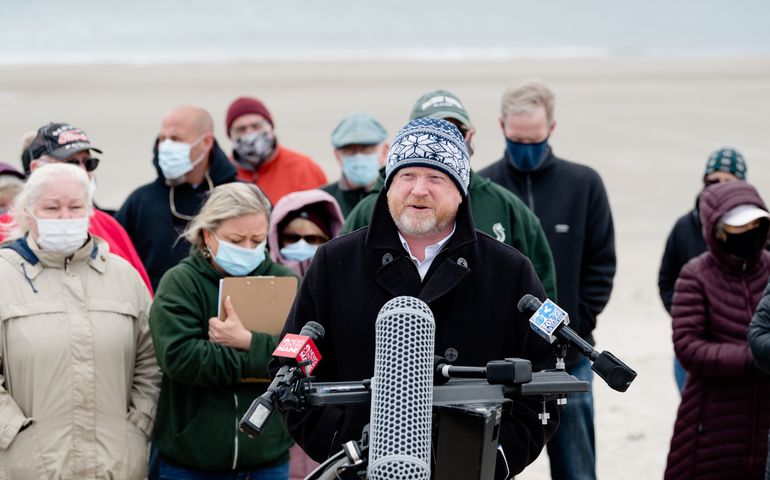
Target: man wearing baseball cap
{"x":64,"y":143}
{"x":360,"y":148}
{"x":261,"y":159}
{"x":685,"y":241}
{"x":421,"y":243}
{"x":496,"y":211}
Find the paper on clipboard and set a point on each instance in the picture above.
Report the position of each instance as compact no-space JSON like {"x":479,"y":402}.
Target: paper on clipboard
{"x":262,"y":303}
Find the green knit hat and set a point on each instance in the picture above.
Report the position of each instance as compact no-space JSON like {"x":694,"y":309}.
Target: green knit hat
{"x":726,"y":160}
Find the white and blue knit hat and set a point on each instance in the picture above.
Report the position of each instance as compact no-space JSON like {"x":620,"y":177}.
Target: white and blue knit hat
{"x":433,"y":143}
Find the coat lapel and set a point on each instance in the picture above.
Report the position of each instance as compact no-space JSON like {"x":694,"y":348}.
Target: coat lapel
{"x":443,"y":280}
{"x":399,"y":277}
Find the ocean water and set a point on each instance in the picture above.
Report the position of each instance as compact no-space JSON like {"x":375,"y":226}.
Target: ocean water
{"x":162,"y":31}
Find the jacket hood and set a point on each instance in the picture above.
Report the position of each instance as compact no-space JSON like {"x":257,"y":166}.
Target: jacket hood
{"x":220,"y":168}
{"x":292,"y":202}
{"x":715,"y":202}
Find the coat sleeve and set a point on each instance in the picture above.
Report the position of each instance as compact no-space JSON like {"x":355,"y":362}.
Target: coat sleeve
{"x":146,"y":383}
{"x":317,"y":430}
{"x":759,"y":331}
{"x":179,"y":328}
{"x":12,"y":419}
{"x":523,"y":436}
{"x":670,"y":265}
{"x":693,"y":343}
{"x":124,"y":216}
{"x":598,"y":267}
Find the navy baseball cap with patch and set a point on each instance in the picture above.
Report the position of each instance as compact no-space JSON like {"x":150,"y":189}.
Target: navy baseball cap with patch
{"x":60,"y":141}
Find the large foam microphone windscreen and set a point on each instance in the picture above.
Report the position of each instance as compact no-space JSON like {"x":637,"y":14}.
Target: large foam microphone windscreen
{"x":402,"y":391}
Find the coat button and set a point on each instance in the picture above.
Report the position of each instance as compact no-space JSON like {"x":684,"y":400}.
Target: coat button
{"x":462,"y":262}
{"x":451,"y":354}
{"x":387,"y":258}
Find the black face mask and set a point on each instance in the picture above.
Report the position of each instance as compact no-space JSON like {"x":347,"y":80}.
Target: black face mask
{"x":746,"y":245}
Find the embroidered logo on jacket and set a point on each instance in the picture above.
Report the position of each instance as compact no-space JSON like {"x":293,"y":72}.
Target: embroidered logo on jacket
{"x":499,"y":231}
{"x":561,"y":228}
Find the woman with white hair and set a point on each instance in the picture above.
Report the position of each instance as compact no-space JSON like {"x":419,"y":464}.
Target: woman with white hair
{"x":79,"y":379}
{"x":204,"y":358}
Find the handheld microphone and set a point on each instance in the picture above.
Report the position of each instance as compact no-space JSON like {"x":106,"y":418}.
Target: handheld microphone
{"x":300,"y":349}
{"x":402,"y":391}
{"x":550,"y":322}
{"x":299,"y":356}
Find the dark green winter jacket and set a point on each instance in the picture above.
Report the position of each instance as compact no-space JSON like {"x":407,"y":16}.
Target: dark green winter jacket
{"x":202,"y":396}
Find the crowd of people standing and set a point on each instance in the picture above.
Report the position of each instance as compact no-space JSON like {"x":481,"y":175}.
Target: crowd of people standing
{"x":115,"y":361}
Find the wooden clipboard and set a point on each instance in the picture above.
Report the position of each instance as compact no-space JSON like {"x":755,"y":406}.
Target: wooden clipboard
{"x":262,"y":303}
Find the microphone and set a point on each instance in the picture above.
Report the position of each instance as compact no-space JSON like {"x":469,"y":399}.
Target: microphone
{"x":550,"y":322}
{"x":300,"y":350}
{"x":299,"y":356}
{"x":402,"y":391}
{"x":511,"y":371}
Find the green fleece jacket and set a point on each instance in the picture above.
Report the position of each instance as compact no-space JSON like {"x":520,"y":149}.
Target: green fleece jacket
{"x":202,"y":397}
{"x":496,"y":212}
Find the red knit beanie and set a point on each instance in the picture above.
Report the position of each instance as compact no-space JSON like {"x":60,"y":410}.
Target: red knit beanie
{"x":243,"y":106}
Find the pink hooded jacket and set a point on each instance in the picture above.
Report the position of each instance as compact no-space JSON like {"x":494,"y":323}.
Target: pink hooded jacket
{"x":292,"y":202}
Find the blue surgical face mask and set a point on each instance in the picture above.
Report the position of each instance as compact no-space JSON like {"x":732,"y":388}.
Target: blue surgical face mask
{"x":361,"y":169}
{"x":239,"y":261}
{"x":298,"y":251}
{"x":526,"y":156}
{"x":174,"y":159}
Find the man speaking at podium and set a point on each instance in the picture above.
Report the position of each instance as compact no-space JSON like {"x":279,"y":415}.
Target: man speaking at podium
{"x":421,"y":242}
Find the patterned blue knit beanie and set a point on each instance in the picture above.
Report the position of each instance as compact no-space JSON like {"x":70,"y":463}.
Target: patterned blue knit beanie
{"x":432,"y":143}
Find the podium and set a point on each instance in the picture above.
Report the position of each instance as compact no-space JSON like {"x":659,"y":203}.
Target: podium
{"x":467,"y":414}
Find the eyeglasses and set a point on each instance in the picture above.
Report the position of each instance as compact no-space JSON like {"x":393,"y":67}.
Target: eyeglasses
{"x":311,"y":239}
{"x":89,"y":164}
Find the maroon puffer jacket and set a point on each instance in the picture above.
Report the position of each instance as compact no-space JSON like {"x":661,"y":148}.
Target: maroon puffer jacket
{"x":722,"y":423}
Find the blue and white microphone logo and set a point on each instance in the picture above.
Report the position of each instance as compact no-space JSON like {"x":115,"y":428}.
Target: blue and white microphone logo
{"x":547,"y":319}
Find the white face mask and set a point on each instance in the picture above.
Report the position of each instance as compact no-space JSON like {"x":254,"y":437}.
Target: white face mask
{"x":63,"y":235}
{"x":174,"y":159}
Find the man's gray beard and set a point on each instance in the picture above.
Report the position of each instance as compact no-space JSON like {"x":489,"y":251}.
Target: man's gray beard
{"x":418,"y":228}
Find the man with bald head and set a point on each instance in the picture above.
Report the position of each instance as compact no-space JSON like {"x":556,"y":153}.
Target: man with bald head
{"x":189,"y":163}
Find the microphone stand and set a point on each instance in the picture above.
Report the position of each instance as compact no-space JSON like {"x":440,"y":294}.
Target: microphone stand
{"x":469,"y":405}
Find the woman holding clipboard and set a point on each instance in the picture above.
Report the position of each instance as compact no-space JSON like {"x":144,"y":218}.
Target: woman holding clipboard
{"x":205,"y":358}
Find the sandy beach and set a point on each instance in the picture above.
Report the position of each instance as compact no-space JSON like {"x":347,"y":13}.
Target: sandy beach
{"x":646,"y":125}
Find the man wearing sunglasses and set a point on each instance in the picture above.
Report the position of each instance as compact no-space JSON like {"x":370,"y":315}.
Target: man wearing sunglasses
{"x":65,"y":143}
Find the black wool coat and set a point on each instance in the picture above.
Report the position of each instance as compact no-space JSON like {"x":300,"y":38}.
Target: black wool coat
{"x":155,"y":231}
{"x":571,"y":202}
{"x":472,"y":288}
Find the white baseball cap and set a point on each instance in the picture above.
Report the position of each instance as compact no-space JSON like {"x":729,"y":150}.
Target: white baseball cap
{"x":743,"y":215}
